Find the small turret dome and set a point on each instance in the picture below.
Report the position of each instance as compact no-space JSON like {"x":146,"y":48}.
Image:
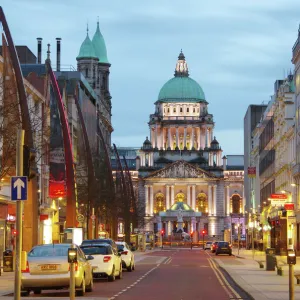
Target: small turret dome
{"x":87,"y":49}
{"x":99,"y":46}
{"x":214,"y":144}
{"x":147,"y":144}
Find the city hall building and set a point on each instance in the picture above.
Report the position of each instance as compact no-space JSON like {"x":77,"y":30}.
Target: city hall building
{"x":182,"y":169}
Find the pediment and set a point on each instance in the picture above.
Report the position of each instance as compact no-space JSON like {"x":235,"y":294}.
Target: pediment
{"x":180,"y":169}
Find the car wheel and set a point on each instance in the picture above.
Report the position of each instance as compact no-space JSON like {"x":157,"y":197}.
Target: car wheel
{"x":90,"y":287}
{"x":24,"y":293}
{"x":129,"y":268}
{"x":37,"y":292}
{"x":133,"y":266}
{"x":120,"y":273}
{"x":112,"y":277}
{"x":81,"y":290}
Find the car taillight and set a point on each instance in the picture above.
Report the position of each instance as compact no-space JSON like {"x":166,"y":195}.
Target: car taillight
{"x":124,"y":252}
{"x":27,"y":268}
{"x":230,"y":246}
{"x":106,"y":258}
{"x":76,"y":267}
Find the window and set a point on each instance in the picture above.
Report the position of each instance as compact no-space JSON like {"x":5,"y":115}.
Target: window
{"x":187,"y":110}
{"x":201,"y":203}
{"x":180,"y":109}
{"x":168,"y":109}
{"x":194,"y":109}
{"x":86,"y":72}
{"x":236,"y":204}
{"x":174,"y":109}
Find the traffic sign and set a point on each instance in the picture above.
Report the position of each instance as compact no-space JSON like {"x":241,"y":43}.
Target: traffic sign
{"x":80,"y":218}
{"x":18,"y":188}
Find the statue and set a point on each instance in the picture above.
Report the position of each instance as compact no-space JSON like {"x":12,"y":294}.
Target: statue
{"x":179,"y":216}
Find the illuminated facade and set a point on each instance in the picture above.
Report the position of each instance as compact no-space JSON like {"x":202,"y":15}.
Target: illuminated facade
{"x":181,"y":165}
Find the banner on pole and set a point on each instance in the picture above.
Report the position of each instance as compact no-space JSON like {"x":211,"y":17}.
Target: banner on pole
{"x":252,"y":172}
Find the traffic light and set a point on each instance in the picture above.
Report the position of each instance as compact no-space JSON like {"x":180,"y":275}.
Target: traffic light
{"x":29,"y":169}
{"x":162,"y":232}
{"x":203,"y":232}
{"x":14,"y":232}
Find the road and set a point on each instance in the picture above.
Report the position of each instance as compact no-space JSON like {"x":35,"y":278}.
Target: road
{"x":169,"y":275}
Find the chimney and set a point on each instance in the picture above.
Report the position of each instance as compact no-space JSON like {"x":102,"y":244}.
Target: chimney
{"x":48,"y":52}
{"x":58,"y":54}
{"x":224,"y":162}
{"x":39,"y":50}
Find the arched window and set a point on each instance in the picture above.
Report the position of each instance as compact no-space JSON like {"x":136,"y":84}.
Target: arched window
{"x":236,"y":204}
{"x":194,"y":109}
{"x":187,"y":110}
{"x":168,"y":109}
{"x":201,"y":203}
{"x":159,"y":203}
{"x":174,"y":109}
{"x":180,"y":109}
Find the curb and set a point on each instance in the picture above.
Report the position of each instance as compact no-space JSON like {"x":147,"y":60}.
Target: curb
{"x":225,"y":271}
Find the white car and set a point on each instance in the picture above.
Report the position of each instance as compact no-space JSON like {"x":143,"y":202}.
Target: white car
{"x":127,"y":256}
{"x":208,"y":245}
{"x":107,"y":262}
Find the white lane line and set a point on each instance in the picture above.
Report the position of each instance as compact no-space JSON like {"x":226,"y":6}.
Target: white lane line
{"x":118,"y":294}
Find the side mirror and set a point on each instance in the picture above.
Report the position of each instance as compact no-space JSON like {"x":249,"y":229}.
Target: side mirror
{"x":89,"y":257}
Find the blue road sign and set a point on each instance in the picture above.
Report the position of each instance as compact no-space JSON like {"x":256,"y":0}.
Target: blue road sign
{"x":18,"y":188}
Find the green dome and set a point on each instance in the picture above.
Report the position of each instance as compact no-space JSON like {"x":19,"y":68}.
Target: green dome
{"x":181,"y":89}
{"x":99,"y":46}
{"x":181,"y":205}
{"x":86,"y":50}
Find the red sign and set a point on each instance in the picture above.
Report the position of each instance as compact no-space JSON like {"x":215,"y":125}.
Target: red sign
{"x":43,"y":217}
{"x":289,"y":206}
{"x":278,"y":196}
{"x":252,"y":172}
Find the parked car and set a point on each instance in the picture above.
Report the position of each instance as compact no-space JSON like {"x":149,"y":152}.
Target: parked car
{"x":126,"y":255}
{"x":213,"y":247}
{"x":100,"y":241}
{"x":48,"y":268}
{"x":107,"y":262}
{"x":223,"y":248}
{"x":207,"y":245}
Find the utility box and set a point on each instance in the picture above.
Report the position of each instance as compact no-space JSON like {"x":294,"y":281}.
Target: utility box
{"x":8,"y":261}
{"x":270,"y":259}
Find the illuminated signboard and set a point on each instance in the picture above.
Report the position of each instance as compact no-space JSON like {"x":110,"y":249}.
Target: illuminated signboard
{"x":278,"y":199}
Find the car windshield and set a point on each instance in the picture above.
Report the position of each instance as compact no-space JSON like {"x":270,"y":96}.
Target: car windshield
{"x":51,"y":250}
{"x":96,"y":250}
{"x":223,"y":244}
{"x":120,"y":247}
{"x":93,"y":242}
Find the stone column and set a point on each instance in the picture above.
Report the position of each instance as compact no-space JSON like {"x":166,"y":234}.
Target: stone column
{"x":184,"y":138}
{"x":243,"y":200}
{"x":177,"y":137}
{"x":189,"y":227}
{"x":146,"y":200}
{"x":198,"y":138}
{"x":169,"y":228}
{"x":172,"y":195}
{"x":155,"y":135}
{"x":188,"y":195}
{"x":215,"y":200}
{"x":209,"y":201}
{"x":162,"y":138}
{"x":169,"y":138}
{"x":193,"y":223}
{"x":193,"y":197}
{"x":206,"y":137}
{"x":167,"y":197}
{"x":151,"y":200}
{"x":227,"y":202}
{"x":192,"y":139}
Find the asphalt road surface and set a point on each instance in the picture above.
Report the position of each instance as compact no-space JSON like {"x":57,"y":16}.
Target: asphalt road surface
{"x":169,"y":275}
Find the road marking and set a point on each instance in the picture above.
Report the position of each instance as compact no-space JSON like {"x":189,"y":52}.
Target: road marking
{"x":226,"y":283}
{"x":142,"y":277}
{"x":167,"y":261}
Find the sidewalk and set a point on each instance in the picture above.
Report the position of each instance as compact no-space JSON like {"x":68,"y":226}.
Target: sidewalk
{"x":7,"y":282}
{"x":257,"y":282}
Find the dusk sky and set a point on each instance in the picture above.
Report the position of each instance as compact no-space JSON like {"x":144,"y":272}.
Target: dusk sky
{"x":234,"y":49}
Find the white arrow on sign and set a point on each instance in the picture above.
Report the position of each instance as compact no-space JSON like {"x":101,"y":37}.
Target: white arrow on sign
{"x":19,"y":184}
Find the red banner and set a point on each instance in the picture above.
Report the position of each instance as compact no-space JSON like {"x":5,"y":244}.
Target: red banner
{"x":289,"y":206}
{"x":278,"y":196}
{"x":252,"y":172}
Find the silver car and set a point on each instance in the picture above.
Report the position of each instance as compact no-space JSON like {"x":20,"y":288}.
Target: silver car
{"x":48,"y":268}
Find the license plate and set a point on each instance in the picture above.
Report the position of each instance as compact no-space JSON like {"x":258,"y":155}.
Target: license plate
{"x":48,"y":267}
{"x":224,"y":248}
